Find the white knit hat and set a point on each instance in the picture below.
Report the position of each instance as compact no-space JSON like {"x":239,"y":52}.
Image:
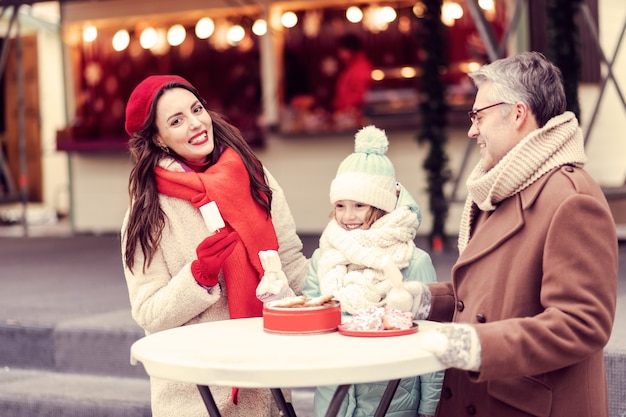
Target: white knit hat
{"x":367,"y":175}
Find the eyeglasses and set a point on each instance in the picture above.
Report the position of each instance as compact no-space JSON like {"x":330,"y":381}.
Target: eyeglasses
{"x":474,"y":113}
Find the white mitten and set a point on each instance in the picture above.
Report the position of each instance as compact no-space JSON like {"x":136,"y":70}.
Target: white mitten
{"x":421,"y":299}
{"x":397,"y":297}
{"x":273,"y":284}
{"x":455,"y":345}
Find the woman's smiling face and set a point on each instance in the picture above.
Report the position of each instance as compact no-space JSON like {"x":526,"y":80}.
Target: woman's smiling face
{"x":184,"y":125}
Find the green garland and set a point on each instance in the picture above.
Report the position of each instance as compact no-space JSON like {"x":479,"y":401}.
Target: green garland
{"x":563,"y":47}
{"x":433,"y":110}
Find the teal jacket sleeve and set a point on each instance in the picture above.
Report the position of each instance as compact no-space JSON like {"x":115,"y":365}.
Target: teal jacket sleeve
{"x":430,"y":391}
{"x":311,"y":287}
{"x":420,"y":268}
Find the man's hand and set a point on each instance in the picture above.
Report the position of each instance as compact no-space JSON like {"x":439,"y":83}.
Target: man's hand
{"x":455,"y":345}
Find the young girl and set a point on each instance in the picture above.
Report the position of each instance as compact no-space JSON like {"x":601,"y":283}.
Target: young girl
{"x":373,"y":223}
{"x":178,"y":271}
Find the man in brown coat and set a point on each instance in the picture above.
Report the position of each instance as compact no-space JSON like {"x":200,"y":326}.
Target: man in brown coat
{"x":532,"y":297}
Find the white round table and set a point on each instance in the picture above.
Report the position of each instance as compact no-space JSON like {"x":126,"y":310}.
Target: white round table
{"x":240,"y":353}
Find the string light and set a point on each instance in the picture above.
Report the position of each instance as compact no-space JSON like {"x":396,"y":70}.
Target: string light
{"x":90,"y":33}
{"x":419,"y":9}
{"x":289,"y":19}
{"x":235,"y":35}
{"x":148,"y":38}
{"x":354,"y":14}
{"x":121,"y":40}
{"x":205,"y":28}
{"x":388,"y":14}
{"x":374,"y":18}
{"x":408,"y":72}
{"x":450,"y":12}
{"x":378,"y":75}
{"x":259,"y":27}
{"x":486,"y":4}
{"x":176,"y":35}
{"x":161,"y":45}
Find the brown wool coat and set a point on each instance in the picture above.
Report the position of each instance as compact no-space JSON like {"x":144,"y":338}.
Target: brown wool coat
{"x":538,"y":279}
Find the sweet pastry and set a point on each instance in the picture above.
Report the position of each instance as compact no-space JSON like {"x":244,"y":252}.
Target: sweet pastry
{"x":394,"y":319}
{"x":301,"y":302}
{"x":289,"y":302}
{"x":368,"y":319}
{"x":318,"y":301}
{"x":212,"y":217}
{"x":378,"y":319}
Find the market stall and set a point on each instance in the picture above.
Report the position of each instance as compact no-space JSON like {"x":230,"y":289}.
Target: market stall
{"x":267,"y":66}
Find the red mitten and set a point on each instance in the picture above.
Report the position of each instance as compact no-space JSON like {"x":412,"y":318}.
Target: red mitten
{"x":211,"y":254}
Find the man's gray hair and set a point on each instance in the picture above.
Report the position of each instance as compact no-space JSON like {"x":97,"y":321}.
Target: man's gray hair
{"x":528,"y":77}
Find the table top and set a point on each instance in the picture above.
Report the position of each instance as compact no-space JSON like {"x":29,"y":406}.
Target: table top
{"x":240,"y":353}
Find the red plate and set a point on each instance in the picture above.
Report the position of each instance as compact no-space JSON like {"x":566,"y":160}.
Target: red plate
{"x":376,"y":333}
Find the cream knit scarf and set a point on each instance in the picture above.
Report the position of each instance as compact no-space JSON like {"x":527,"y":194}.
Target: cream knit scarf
{"x":351,"y":261}
{"x":558,"y":143}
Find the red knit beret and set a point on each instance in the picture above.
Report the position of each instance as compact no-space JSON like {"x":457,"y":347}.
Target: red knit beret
{"x":140,"y":100}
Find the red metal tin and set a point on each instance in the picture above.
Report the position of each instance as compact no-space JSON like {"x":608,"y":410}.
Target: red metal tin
{"x":298,"y":320}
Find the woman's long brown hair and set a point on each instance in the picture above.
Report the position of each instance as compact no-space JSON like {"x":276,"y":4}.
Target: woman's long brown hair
{"x":146,"y":218}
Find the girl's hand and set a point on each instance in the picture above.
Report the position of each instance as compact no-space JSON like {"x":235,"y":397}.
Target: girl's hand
{"x":398,"y":297}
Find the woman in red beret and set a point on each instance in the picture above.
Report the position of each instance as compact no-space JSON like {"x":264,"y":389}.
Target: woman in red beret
{"x":178,"y":268}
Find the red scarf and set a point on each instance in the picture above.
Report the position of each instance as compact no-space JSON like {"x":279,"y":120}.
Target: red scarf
{"x":228,"y":184}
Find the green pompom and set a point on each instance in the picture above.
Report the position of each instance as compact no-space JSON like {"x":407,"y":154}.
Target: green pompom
{"x":372,"y":140}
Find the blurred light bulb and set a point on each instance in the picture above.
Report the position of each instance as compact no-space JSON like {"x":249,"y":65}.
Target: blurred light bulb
{"x":378,"y":75}
{"x":419,"y":9}
{"x":235,"y":34}
{"x":388,"y":14}
{"x":404,"y":24}
{"x":451,"y":11}
{"x":121,"y":40}
{"x":205,"y":28}
{"x":376,"y":20}
{"x":259,"y":27}
{"x":161,"y":45}
{"x":90,"y":33}
{"x":148,"y":38}
{"x":289,"y":19}
{"x":486,"y":4}
{"x":408,"y":72}
{"x":176,"y":35}
{"x":354,"y":14}
{"x":473,"y":66}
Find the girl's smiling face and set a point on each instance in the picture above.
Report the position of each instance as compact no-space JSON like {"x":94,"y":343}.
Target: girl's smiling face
{"x":352,"y":215}
{"x":184,"y":125}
